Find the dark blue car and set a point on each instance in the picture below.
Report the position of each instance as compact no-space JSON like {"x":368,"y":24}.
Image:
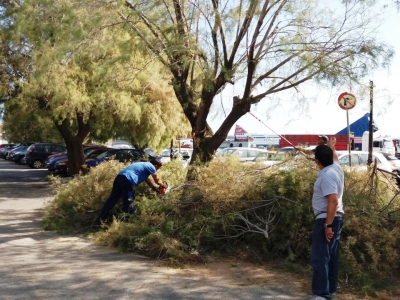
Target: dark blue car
{"x":37,"y":154}
{"x":122,"y":155}
{"x":19,"y":154}
{"x":52,"y":159}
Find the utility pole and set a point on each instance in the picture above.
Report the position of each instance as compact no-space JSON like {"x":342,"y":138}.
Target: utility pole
{"x":371,"y":121}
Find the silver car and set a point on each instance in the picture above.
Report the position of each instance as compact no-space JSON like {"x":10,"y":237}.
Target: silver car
{"x":359,"y":159}
{"x":245,"y":154}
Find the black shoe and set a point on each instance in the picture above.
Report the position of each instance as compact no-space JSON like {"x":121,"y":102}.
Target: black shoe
{"x":97,"y":223}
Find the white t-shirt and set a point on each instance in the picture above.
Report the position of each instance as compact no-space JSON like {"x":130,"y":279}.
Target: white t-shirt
{"x":330,"y":180}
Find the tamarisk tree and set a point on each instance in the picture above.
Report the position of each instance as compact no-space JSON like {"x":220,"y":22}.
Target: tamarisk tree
{"x":264,"y":47}
{"x":82,"y":81}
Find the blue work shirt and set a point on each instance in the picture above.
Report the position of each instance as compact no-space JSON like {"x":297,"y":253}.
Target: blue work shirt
{"x":138,"y":172}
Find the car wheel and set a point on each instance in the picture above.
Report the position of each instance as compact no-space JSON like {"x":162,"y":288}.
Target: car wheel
{"x":37,"y":164}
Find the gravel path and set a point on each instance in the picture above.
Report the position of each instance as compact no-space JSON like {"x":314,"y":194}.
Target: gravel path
{"x":44,"y":265}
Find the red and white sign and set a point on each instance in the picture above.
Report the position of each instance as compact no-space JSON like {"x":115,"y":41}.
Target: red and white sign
{"x":241,"y":135}
{"x":347,"y":101}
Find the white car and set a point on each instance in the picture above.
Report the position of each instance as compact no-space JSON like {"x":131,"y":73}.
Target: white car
{"x":278,"y":158}
{"x":359,"y":159}
{"x":183,"y":154}
{"x":245,"y":154}
{"x":393,"y":160}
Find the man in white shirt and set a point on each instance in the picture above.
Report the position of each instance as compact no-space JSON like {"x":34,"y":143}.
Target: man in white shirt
{"x":328,"y":210}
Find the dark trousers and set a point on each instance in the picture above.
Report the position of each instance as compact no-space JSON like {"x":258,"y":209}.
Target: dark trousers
{"x":121,"y":188}
{"x":325,"y":258}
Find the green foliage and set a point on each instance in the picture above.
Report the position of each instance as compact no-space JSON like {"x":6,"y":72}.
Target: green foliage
{"x":234,"y":207}
{"x":24,"y":123}
{"x":370,"y":233}
{"x":88,"y":79}
{"x":78,"y":203}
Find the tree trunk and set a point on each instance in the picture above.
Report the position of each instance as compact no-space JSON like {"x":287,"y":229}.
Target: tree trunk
{"x":76,"y":159}
{"x":74,"y":144}
{"x":204,"y":147}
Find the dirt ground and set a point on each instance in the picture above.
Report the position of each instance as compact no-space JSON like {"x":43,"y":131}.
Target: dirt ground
{"x":45,"y":265}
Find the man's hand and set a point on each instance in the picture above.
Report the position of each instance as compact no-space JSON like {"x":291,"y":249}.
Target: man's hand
{"x":328,"y":234}
{"x":332,"y":142}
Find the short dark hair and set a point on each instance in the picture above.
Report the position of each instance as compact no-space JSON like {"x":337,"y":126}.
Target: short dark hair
{"x":324,"y":138}
{"x":156,"y":162}
{"x":324,"y":154}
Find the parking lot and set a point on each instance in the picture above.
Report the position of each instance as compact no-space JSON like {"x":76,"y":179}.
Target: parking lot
{"x":20,"y":181}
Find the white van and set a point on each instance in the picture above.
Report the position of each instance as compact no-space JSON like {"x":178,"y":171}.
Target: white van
{"x":380,"y":143}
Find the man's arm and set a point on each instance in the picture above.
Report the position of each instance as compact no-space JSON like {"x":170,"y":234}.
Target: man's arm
{"x":305,"y":153}
{"x":157,"y":180}
{"x":151,"y":185}
{"x":331,"y":144}
{"x":330,"y":214}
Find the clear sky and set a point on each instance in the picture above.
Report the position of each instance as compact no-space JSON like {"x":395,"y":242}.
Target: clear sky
{"x":323,"y":115}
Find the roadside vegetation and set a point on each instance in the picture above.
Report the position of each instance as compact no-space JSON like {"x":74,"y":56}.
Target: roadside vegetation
{"x":234,"y":209}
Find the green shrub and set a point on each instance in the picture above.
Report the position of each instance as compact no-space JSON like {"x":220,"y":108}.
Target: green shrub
{"x":234,"y":207}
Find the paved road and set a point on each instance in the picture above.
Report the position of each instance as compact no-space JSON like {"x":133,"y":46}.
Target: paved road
{"x":44,"y":265}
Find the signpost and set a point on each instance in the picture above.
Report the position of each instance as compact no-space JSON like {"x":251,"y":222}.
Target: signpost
{"x":347,"y":101}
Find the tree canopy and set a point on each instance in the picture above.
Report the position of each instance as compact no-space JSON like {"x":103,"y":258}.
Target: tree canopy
{"x":264,"y":47}
{"x":85,"y":83}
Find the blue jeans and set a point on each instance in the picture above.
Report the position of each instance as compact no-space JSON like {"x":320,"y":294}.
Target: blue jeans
{"x":121,"y":188}
{"x":325,"y":258}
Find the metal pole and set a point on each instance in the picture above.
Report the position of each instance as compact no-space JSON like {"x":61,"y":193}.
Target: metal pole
{"x":371,"y":121}
{"x":348,"y":136}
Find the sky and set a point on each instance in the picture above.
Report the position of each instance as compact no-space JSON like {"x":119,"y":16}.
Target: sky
{"x":324,"y":116}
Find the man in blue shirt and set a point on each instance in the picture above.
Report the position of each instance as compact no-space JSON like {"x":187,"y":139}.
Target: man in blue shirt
{"x":125,"y":185}
{"x":328,"y":210}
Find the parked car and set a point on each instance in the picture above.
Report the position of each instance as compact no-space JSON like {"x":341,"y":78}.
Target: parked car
{"x":16,"y":154}
{"x":4,"y":151}
{"x":122,"y":155}
{"x":166,"y":154}
{"x":183,"y":154}
{"x":289,"y":149}
{"x":10,"y":153}
{"x":52,"y":159}
{"x":37,"y":153}
{"x":278,"y":157}
{"x":393,"y":160}
{"x":359,"y":160}
{"x":6,"y":145}
{"x":61,"y":166}
{"x":245,"y":154}
{"x":61,"y":163}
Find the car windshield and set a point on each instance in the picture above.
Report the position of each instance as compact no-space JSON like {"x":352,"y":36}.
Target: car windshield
{"x":167,"y":152}
{"x":392,"y":157}
{"x":150,"y":152}
{"x":106,"y":154}
{"x":94,"y":153}
{"x":280,"y":156}
{"x":387,"y":144}
{"x":186,"y":152}
{"x":227,"y":152}
{"x":22,"y":148}
{"x":345,"y":160}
